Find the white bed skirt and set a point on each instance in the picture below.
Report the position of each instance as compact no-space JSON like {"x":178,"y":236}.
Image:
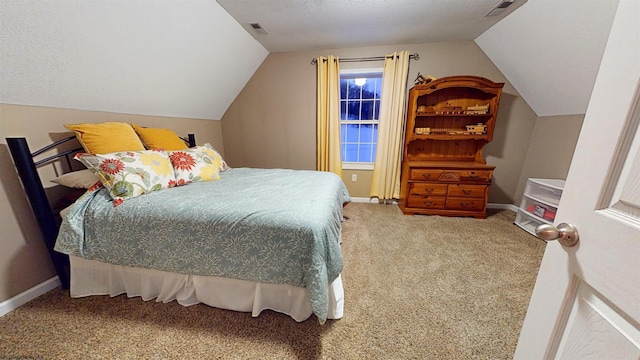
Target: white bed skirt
{"x":90,"y":277}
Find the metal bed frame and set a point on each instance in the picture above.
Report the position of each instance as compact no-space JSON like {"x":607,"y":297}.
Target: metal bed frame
{"x":27,"y":167}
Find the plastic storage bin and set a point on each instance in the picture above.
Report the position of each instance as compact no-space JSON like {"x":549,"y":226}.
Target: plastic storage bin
{"x":539,"y":203}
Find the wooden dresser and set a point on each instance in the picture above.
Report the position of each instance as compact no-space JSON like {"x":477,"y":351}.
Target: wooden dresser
{"x":449,"y":121}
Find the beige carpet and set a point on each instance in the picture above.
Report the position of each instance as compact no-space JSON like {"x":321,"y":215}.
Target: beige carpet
{"x":416,"y":287}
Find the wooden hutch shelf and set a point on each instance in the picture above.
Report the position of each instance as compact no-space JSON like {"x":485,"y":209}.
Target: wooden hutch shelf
{"x":449,"y":121}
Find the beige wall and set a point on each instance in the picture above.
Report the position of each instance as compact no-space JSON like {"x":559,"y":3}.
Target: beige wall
{"x":361,"y":186}
{"x":24,"y":261}
{"x":551,"y":149}
{"x":272,"y":123}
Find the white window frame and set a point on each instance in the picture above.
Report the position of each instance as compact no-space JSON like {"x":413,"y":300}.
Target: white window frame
{"x":363,"y":71}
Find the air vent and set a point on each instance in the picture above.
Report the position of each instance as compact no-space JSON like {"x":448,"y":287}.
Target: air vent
{"x":500,"y":7}
{"x":258,"y":29}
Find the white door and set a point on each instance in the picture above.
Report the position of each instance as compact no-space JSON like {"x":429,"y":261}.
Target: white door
{"x":586,"y":301}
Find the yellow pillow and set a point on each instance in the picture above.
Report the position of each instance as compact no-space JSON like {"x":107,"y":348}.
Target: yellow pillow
{"x":159,"y":139}
{"x":107,"y":137}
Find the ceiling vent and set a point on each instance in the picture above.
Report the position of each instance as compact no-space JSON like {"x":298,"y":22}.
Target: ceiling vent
{"x":258,"y":29}
{"x":500,"y":7}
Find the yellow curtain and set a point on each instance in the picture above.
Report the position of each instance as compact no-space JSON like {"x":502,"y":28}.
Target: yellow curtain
{"x":328,"y":116}
{"x":386,"y":168}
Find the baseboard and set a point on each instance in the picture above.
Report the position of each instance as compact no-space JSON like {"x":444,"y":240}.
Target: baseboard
{"x":489,"y":205}
{"x":373,"y":200}
{"x":24,"y":297}
{"x":503,"y":207}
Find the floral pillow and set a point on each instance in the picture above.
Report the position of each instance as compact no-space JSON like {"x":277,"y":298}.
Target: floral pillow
{"x":191,"y":165}
{"x":129,"y":174}
{"x":214,"y":155}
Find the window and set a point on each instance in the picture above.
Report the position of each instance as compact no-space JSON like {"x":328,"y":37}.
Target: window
{"x":360,"y":93}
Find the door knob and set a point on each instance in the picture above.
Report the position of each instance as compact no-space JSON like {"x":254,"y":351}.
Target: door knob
{"x":566,"y":234}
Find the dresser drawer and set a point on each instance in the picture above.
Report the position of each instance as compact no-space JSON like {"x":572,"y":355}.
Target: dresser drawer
{"x":425,"y":174}
{"x":429,"y":202}
{"x":472,"y":191}
{"x":419,"y":174}
{"x":461,"y":203}
{"x":427,"y":189}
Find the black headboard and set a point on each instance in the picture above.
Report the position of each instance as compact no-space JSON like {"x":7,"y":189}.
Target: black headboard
{"x":27,"y":166}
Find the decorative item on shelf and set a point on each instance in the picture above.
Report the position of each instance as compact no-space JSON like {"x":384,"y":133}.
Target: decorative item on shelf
{"x":423,"y":109}
{"x":477,"y":110}
{"x":457,"y":132}
{"x":423,"y":80}
{"x":421,"y":131}
{"x":450,"y":110}
{"x":445,"y":131}
{"x":480,"y":128}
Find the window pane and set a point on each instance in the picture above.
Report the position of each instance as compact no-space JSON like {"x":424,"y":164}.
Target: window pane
{"x":365,"y":153}
{"x":353,"y":90}
{"x":366,"y":112}
{"x":369,"y":89}
{"x":353,"y":111}
{"x":366,"y":133}
{"x":343,"y":133}
{"x":351,"y":153}
{"x":343,"y":89}
{"x":352,"y":133}
{"x":343,"y":110}
{"x":376,"y":113}
{"x":375,"y":133}
{"x":378,"y":88}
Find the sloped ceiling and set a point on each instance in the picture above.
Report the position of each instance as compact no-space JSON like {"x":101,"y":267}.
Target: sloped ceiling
{"x":191,"y":58}
{"x":551,"y":50}
{"x":171,"y":58}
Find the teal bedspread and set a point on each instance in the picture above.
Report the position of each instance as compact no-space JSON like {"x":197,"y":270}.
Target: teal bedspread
{"x":265,"y":225}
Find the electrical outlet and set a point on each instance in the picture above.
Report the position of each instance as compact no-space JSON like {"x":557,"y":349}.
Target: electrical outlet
{"x":354,"y":177}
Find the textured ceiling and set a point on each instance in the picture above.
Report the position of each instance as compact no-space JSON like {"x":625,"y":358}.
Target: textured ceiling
{"x":549,"y":50}
{"x":301,"y":25}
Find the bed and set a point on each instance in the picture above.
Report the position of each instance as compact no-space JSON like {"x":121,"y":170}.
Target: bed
{"x":251,"y":240}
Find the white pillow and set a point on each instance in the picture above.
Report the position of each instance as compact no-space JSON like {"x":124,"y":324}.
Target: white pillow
{"x":81,"y":179}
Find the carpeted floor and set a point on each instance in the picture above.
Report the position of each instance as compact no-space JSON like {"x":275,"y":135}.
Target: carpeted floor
{"x":416,"y":287}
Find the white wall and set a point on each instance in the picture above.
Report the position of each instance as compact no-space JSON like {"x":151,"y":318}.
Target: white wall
{"x":185,"y":59}
{"x":551,"y":50}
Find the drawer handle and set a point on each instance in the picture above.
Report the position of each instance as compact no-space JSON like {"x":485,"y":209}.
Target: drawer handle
{"x":429,"y":191}
{"x":428,"y":203}
{"x":465,"y":204}
{"x":426,"y":176}
{"x":466,"y":192}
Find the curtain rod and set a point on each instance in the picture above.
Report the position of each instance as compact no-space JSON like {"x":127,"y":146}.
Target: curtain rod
{"x":414,"y":56}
